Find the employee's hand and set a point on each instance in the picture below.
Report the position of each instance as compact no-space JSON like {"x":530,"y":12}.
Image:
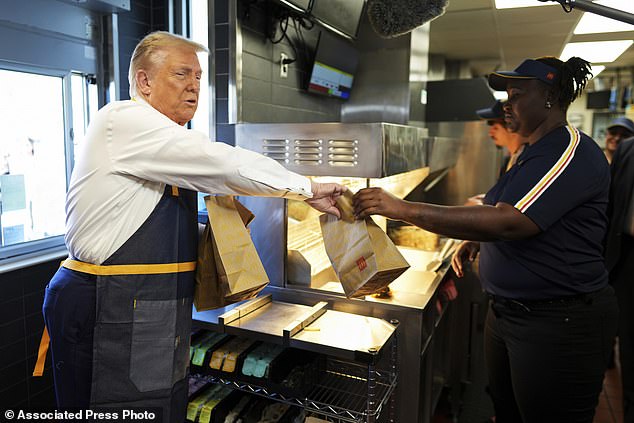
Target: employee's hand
{"x":467,"y":250}
{"x":377,"y":201}
{"x":325,"y":197}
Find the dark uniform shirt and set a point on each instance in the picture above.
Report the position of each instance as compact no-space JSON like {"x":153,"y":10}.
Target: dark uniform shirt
{"x":561,"y":183}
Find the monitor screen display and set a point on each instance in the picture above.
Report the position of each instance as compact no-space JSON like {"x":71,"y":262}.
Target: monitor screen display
{"x":334,"y":67}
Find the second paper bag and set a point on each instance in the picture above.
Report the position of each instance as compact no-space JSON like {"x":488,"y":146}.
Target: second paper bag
{"x":363,"y":256}
{"x":229,"y":268}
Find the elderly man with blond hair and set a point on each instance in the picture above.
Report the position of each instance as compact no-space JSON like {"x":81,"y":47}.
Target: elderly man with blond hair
{"x":119,"y":309}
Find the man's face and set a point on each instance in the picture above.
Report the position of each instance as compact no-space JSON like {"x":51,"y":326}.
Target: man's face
{"x":614,"y":137}
{"x":174,"y":84}
{"x":498,"y":133}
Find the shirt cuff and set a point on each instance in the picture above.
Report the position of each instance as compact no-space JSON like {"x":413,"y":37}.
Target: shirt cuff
{"x":300,"y":187}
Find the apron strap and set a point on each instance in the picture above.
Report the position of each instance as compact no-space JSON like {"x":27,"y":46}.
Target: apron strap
{"x":129,"y":269}
{"x":41,"y":354}
{"x":42,"y":350}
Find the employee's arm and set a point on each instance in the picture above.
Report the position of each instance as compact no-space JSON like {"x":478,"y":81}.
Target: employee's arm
{"x":501,"y":222}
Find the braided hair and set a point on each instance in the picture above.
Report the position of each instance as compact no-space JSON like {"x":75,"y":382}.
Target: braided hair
{"x":574,"y":74}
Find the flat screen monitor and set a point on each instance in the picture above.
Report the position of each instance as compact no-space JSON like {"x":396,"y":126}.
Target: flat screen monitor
{"x":334,"y":66}
{"x":339,"y":15}
{"x":598,"y":99}
{"x":456,"y":100}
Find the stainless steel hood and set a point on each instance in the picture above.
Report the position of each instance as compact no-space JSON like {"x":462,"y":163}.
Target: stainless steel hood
{"x":368,"y":150}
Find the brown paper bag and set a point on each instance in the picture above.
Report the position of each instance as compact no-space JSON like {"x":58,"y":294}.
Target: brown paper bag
{"x":228,"y":268}
{"x":365,"y":259}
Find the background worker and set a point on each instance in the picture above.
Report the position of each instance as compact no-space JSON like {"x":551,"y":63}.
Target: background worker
{"x":619,"y":259}
{"x":552,"y":316}
{"x":120,"y":335}
{"x":620,"y":128}
{"x":512,"y":143}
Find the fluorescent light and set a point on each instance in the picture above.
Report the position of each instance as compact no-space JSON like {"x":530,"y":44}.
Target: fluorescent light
{"x":596,"y":51}
{"x":591,"y":23}
{"x":596,"y":70}
{"x":509,"y":4}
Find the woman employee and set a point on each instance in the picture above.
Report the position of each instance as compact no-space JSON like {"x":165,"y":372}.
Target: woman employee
{"x":552,"y":318}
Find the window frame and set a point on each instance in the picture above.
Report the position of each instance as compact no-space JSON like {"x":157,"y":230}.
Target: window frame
{"x":28,"y":250}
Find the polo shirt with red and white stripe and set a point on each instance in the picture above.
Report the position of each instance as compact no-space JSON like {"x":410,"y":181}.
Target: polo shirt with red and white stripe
{"x":561,"y":182}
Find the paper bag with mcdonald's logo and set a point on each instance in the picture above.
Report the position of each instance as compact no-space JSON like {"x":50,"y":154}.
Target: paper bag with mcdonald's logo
{"x":364,"y":258}
{"x":228,"y":269}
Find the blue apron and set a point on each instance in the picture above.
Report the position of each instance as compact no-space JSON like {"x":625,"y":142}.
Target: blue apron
{"x":144,"y":291}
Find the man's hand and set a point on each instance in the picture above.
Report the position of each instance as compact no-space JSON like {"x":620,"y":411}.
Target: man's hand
{"x":325,"y":197}
{"x":377,"y":201}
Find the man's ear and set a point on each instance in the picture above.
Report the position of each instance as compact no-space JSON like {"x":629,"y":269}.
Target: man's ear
{"x":143,"y":82}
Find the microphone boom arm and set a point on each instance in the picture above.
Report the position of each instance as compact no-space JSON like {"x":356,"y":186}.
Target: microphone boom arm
{"x":598,"y":9}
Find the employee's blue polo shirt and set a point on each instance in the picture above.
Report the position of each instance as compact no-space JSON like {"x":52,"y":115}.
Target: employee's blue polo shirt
{"x":561,"y":183}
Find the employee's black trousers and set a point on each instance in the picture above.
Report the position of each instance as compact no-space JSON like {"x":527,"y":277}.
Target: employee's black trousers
{"x":546,"y":361}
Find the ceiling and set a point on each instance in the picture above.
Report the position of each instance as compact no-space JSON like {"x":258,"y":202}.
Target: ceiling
{"x":489,"y":39}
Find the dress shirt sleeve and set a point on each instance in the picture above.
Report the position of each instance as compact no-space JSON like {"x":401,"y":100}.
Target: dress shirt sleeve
{"x":145,"y":144}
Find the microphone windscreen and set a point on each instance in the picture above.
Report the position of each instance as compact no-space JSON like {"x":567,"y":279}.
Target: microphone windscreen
{"x":391,"y":18}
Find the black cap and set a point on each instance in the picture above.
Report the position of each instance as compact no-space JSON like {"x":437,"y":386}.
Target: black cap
{"x":495,"y":112}
{"x":529,"y":69}
{"x":623,"y":122}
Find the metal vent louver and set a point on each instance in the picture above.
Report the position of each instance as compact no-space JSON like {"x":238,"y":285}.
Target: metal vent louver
{"x":343,"y":152}
{"x":308,"y":152}
{"x":276,"y":149}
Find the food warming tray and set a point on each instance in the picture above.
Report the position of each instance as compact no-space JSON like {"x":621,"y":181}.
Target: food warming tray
{"x":344,"y":335}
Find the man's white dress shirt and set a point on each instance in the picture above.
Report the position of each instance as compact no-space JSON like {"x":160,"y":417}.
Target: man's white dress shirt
{"x":131,"y":151}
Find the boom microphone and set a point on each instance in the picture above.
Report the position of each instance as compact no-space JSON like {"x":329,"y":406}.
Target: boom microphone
{"x":392,"y":18}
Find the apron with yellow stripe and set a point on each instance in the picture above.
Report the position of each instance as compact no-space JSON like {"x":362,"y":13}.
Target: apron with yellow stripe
{"x":143,"y":311}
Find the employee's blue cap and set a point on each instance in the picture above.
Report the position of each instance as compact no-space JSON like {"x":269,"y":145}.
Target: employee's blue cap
{"x":494,"y":112}
{"x":623,"y":122}
{"x":529,"y":69}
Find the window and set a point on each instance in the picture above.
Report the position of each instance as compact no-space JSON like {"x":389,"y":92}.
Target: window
{"x":200,"y":33}
{"x":201,"y":121}
{"x":84,"y":105}
{"x":37,"y":143}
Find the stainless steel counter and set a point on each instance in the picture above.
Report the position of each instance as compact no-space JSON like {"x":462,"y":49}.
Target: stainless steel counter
{"x":416,"y":286}
{"x":413,"y":289}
